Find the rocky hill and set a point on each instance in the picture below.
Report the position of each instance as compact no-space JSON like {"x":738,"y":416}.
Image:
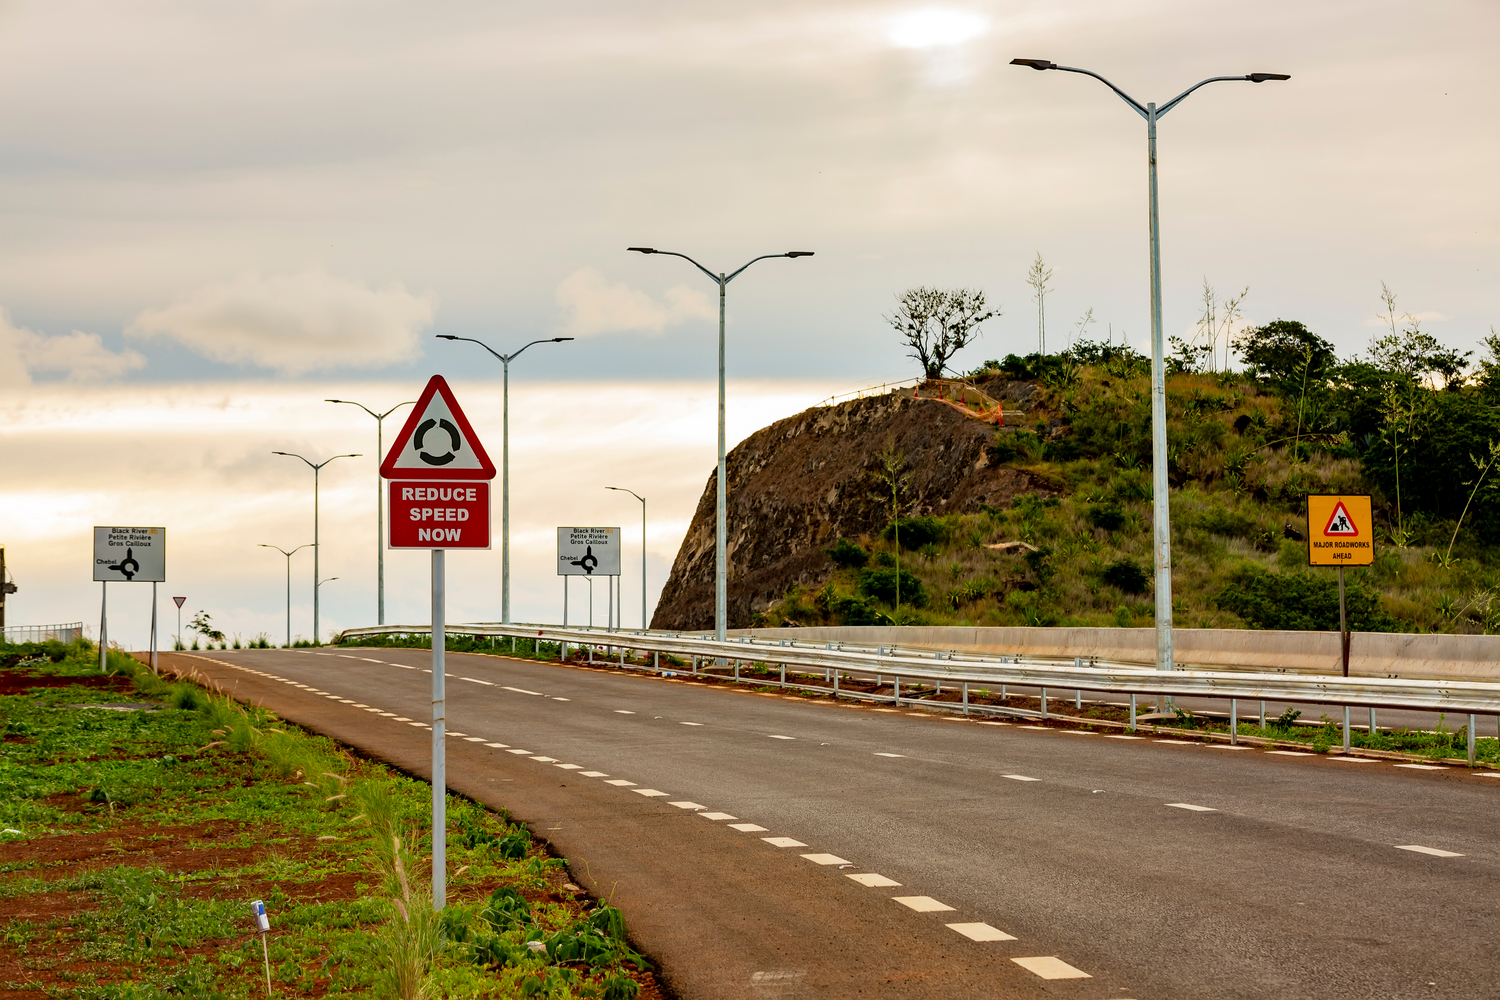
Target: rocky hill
{"x":798,"y":486}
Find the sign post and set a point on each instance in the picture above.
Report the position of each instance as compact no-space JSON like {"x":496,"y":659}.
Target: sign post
{"x":128,"y":555}
{"x":439,"y":486}
{"x":1340,"y":532}
{"x":589,"y":552}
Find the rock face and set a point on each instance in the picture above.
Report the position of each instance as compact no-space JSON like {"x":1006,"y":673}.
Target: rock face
{"x":800,"y":484}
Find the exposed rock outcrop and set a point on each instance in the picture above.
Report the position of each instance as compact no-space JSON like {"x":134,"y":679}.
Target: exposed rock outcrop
{"x":800,"y":484}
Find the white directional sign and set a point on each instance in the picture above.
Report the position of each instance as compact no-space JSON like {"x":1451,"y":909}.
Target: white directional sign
{"x":130,"y":554}
{"x":588,"y":551}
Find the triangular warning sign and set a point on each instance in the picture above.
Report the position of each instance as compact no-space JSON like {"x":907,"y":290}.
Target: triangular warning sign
{"x":1340,"y":523}
{"x":437,"y":442}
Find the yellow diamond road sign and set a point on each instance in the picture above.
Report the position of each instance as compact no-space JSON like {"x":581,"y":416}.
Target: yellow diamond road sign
{"x":1340,"y":531}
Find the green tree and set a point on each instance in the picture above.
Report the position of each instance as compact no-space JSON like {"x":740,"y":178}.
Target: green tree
{"x":1283,"y":353}
{"x":936,"y":323}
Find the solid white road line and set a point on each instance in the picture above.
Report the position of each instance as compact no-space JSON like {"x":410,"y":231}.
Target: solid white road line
{"x":1191,"y":808}
{"x":1050,"y":967}
{"x":1419,"y":849}
{"x":826,"y":859}
{"x":783,"y":842}
{"x":922,"y":904}
{"x":873,"y":880}
{"x":981,"y":932}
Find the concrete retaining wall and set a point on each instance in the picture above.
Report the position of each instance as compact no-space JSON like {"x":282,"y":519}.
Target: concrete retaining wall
{"x":1371,"y":654}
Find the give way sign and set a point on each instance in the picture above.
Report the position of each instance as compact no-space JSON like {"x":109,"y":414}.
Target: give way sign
{"x":439,"y":477}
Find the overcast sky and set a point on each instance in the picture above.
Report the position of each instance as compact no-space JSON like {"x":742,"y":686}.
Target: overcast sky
{"x":263,"y":204}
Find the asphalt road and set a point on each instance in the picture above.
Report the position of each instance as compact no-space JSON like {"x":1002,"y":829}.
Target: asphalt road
{"x":1158,"y":869}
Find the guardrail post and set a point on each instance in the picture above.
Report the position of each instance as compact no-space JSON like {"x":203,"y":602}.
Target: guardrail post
{"x":1372,"y":723}
{"x":1132,"y":712}
{"x":1234,"y":721}
{"x":1346,"y":729}
{"x":783,"y":675}
{"x":695,"y":666}
{"x":1262,"y":715}
{"x":1044,"y":703}
{"x":966,"y":697}
{"x":1471,"y":740}
{"x":656,"y":661}
{"x":898,"y":690}
{"x":835,"y":682}
{"x":736,"y":671}
{"x":1078,"y":700}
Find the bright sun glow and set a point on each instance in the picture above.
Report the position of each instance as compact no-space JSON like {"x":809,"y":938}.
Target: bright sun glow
{"x":935,"y":27}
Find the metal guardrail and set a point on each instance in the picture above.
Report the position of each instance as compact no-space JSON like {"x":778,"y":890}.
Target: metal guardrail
{"x":1460,"y":697}
{"x":69,"y":632}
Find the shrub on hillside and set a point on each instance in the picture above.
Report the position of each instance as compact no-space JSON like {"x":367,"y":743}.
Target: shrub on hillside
{"x":1128,"y":575}
{"x":855,"y":611}
{"x":1110,"y":517}
{"x":1301,"y":601}
{"x":881,"y":584}
{"x":848,"y":555}
{"x":1011,"y":446}
{"x":915,"y":532}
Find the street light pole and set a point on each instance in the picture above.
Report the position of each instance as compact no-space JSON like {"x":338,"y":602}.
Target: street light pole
{"x":317,"y":548}
{"x":288,"y":555}
{"x":379,"y":500}
{"x":1161,"y":524}
{"x":644,"y":623}
{"x":721,"y":573}
{"x":505,"y":360}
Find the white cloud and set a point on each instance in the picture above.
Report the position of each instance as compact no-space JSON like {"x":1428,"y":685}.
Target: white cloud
{"x":935,"y":27}
{"x":294,"y":323}
{"x":593,"y":306}
{"x":81,"y":356}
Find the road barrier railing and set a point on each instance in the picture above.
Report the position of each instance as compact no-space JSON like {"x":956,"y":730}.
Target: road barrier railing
{"x":958,"y":668}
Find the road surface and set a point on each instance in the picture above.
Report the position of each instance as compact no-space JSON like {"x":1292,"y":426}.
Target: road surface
{"x":770,"y":846}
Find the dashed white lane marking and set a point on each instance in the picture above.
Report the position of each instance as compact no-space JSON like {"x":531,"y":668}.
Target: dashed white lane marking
{"x":458,"y":735}
{"x":1191,"y":808}
{"x":1419,"y":849}
{"x":422,"y":724}
{"x":556,"y":698}
{"x":1050,"y":967}
{"x":1042,"y":728}
{"x":1178,"y":743}
{"x":886,"y":710}
{"x":360,"y":705}
{"x":783,"y":842}
{"x":498,"y":746}
{"x":774,"y":737}
{"x":473,"y":739}
{"x":546,"y":760}
{"x":368,"y":660}
{"x":1077,"y":732}
{"x":526,"y":752}
{"x":535,"y":694}
{"x":571,"y":767}
{"x":748,"y":828}
{"x":1425,"y":767}
{"x":650,"y":793}
{"x":981,"y":932}
{"x":1019,"y":777}
{"x":620,"y":782}
{"x":476,"y":680}
{"x":922,"y":904}
{"x":346,"y":701}
{"x":389,"y":715}
{"x":992,"y":723}
{"x":690,"y":723}
{"x":827,"y":859}
{"x":878,"y":754}
{"x":1110,"y":736}
{"x":399,"y":718}
{"x":1290,"y":753}
{"x":593,"y":774}
{"x":687,"y":805}
{"x":1353,"y":760}
{"x":1488,"y":774}
{"x":873,"y":880}
{"x":717,"y":816}
{"x":623,"y":711}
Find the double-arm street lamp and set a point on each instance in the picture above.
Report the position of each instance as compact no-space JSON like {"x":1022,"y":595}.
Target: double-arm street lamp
{"x":379,"y":500}
{"x":644,"y":623}
{"x":316,"y":467}
{"x":721,"y":586}
{"x":505,"y":360}
{"x":1161,"y":523}
{"x":288,"y":555}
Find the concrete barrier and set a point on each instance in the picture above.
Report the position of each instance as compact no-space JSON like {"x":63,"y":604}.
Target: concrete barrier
{"x":1371,"y":654}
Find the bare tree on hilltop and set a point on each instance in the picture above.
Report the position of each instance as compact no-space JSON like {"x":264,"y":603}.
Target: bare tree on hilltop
{"x":936,"y":323}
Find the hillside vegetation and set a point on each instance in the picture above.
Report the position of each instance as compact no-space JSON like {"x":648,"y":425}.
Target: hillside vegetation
{"x":1406,"y":424}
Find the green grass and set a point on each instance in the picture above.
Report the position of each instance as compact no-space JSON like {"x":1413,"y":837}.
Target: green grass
{"x":184,"y":814}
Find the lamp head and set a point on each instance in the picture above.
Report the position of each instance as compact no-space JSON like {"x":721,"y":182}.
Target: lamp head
{"x":446,"y":336}
{"x":1038,"y":64}
{"x":799,"y":253}
{"x":1263,"y":77}
{"x":333,"y":400}
{"x":640,"y":250}
{"x":559,"y":340}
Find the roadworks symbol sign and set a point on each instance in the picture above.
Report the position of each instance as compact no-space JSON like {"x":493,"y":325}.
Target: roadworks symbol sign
{"x":436,"y":442}
{"x":1340,"y":523}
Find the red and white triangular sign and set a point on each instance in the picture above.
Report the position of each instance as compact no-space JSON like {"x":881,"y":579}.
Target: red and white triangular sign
{"x":436,"y":441}
{"x":1340,"y":523}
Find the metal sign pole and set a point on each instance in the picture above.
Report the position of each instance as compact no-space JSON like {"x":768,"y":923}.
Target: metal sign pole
{"x":1343,"y":627}
{"x":103,"y":622}
{"x":565,"y":602}
{"x":153,"y":627}
{"x":439,"y":751}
